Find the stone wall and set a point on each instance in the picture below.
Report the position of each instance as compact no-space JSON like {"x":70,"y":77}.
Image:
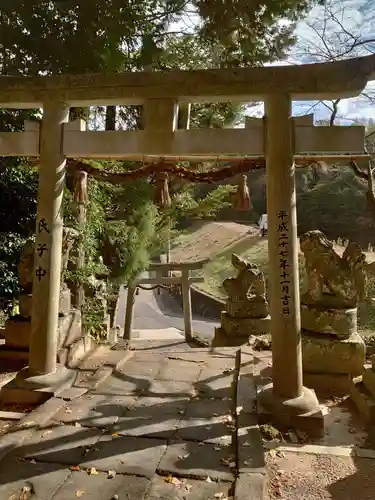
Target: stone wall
{"x":202,"y":303}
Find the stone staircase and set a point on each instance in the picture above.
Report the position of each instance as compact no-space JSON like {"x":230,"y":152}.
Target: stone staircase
{"x":362,"y":392}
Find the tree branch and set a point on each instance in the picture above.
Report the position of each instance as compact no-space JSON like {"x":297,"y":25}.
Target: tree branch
{"x":358,"y":172}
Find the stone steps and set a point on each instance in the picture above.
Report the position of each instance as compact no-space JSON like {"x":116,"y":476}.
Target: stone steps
{"x":368,"y":379}
{"x":71,"y":355}
{"x":363,"y":399}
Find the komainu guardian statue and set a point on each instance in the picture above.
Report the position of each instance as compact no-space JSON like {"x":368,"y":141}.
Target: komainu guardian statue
{"x":248,"y":285}
{"x":332,"y":280}
{"x":246,"y":308}
{"x":335,"y":285}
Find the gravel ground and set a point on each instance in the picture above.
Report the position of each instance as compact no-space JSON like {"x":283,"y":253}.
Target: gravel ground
{"x":297,"y":476}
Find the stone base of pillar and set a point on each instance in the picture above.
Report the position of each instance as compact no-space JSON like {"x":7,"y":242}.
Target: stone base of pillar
{"x":303,"y":413}
{"x":34,"y":390}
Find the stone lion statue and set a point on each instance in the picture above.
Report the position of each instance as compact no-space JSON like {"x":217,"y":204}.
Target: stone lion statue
{"x":332,"y":281}
{"x":248,"y":285}
{"x":26,"y":265}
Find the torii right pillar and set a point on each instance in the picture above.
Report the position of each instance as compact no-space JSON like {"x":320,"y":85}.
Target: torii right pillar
{"x":285,"y":402}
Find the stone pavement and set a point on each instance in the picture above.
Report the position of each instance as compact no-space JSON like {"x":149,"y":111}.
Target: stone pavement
{"x":157,"y":422}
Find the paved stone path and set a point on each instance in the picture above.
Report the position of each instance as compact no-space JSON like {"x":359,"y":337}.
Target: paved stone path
{"x":158,"y":422}
{"x":159,"y":312}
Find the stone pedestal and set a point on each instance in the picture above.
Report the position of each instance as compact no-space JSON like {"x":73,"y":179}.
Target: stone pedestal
{"x":332,"y":351}
{"x":341,"y":323}
{"x":71,"y":345}
{"x":242,"y":309}
{"x":241,"y":320}
{"x":25,"y":301}
{"x":321,"y":354}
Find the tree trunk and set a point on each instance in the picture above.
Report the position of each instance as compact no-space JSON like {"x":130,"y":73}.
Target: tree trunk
{"x":110,"y":118}
{"x":335,"y":110}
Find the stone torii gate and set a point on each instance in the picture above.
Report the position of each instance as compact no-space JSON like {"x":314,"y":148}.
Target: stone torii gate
{"x":281,"y":140}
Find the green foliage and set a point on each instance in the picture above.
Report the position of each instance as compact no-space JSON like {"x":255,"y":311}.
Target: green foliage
{"x":186,"y":203}
{"x":246,"y":32}
{"x":55,"y":37}
{"x":337,"y":206}
{"x":18,"y":187}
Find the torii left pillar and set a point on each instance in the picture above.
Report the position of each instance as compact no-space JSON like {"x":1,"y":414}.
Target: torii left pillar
{"x":44,"y":377}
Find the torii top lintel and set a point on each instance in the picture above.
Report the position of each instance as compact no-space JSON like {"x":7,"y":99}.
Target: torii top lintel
{"x":302,"y":82}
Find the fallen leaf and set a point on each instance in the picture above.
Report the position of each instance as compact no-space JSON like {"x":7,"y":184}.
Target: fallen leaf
{"x":46,"y":433}
{"x":77,"y":424}
{"x":75,"y":467}
{"x":188,"y":487}
{"x":229,"y":462}
{"x":247,"y":462}
{"x":32,"y":461}
{"x":219,"y":495}
{"x":246,"y":444}
{"x":92,"y":471}
{"x":239,"y":409}
{"x":111,"y":474}
{"x":272,"y":453}
{"x":115,"y":435}
{"x":80,"y":493}
{"x":28,"y":424}
{"x":26,"y":493}
{"x":172,"y":480}
{"x":208,"y":480}
{"x":280,"y":454}
{"x":182,"y":457}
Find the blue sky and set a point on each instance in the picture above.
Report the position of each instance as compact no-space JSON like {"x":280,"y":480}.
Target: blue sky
{"x":331,"y":31}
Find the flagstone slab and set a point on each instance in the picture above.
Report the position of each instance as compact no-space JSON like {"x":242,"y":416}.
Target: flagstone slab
{"x":180,"y":371}
{"x":164,"y":428}
{"x":197,"y":460}
{"x":97,"y":410}
{"x":126,"y":455}
{"x":100,"y":487}
{"x":170,"y":388}
{"x":63,"y":444}
{"x":41,"y":479}
{"x":186,"y":489}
